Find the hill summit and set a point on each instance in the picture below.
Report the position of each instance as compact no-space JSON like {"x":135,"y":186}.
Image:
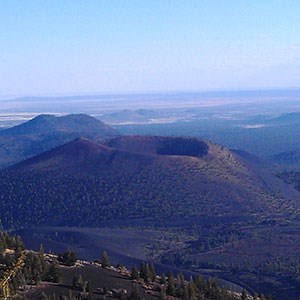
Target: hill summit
{"x":75,"y":123}
{"x":45,"y":132}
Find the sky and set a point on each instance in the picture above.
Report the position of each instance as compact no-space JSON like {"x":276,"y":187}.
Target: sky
{"x":85,"y":47}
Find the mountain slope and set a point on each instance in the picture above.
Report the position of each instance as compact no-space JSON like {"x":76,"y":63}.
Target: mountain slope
{"x":46,"y":132}
{"x":288,"y":158}
{"x":156,"y":179}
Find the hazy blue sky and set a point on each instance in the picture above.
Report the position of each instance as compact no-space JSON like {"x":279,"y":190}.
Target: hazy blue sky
{"x":77,"y":46}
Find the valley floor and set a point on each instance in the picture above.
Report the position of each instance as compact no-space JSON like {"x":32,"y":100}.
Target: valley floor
{"x":240,"y":255}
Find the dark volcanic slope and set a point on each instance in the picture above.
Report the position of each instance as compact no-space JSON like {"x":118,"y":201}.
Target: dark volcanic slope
{"x":84,"y":157}
{"x":46,"y":132}
{"x":135,"y":178}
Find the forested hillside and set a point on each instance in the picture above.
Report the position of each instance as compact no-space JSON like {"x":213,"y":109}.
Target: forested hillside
{"x":83,"y":184}
{"x":36,"y":275}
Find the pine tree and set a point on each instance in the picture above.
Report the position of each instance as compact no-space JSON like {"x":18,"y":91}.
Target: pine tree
{"x":74,"y":282}
{"x":70,"y":294}
{"x":186,"y":294}
{"x":105,"y":290}
{"x":200,"y":283}
{"x":163,"y":295}
{"x":89,"y":287}
{"x":68,"y":258}
{"x":192,"y":288}
{"x":163,"y":279}
{"x":152,"y":273}
{"x":53,"y":274}
{"x":123,"y":296}
{"x":135,"y":294}
{"x":144,"y":272}
{"x":244,"y":295}
{"x":171,"y":285}
{"x":90,"y":296}
{"x":43,"y":296}
{"x":41,"y":250}
{"x":105,"y":260}
{"x":135,"y":273}
{"x":78,"y":283}
{"x":181,"y":280}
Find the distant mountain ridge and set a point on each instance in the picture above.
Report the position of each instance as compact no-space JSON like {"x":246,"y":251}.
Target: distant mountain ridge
{"x":45,"y":132}
{"x":73,"y":123}
{"x":140,"y":116}
{"x":286,"y":118}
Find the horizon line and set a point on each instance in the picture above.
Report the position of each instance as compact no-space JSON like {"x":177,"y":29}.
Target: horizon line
{"x":149,"y":92}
